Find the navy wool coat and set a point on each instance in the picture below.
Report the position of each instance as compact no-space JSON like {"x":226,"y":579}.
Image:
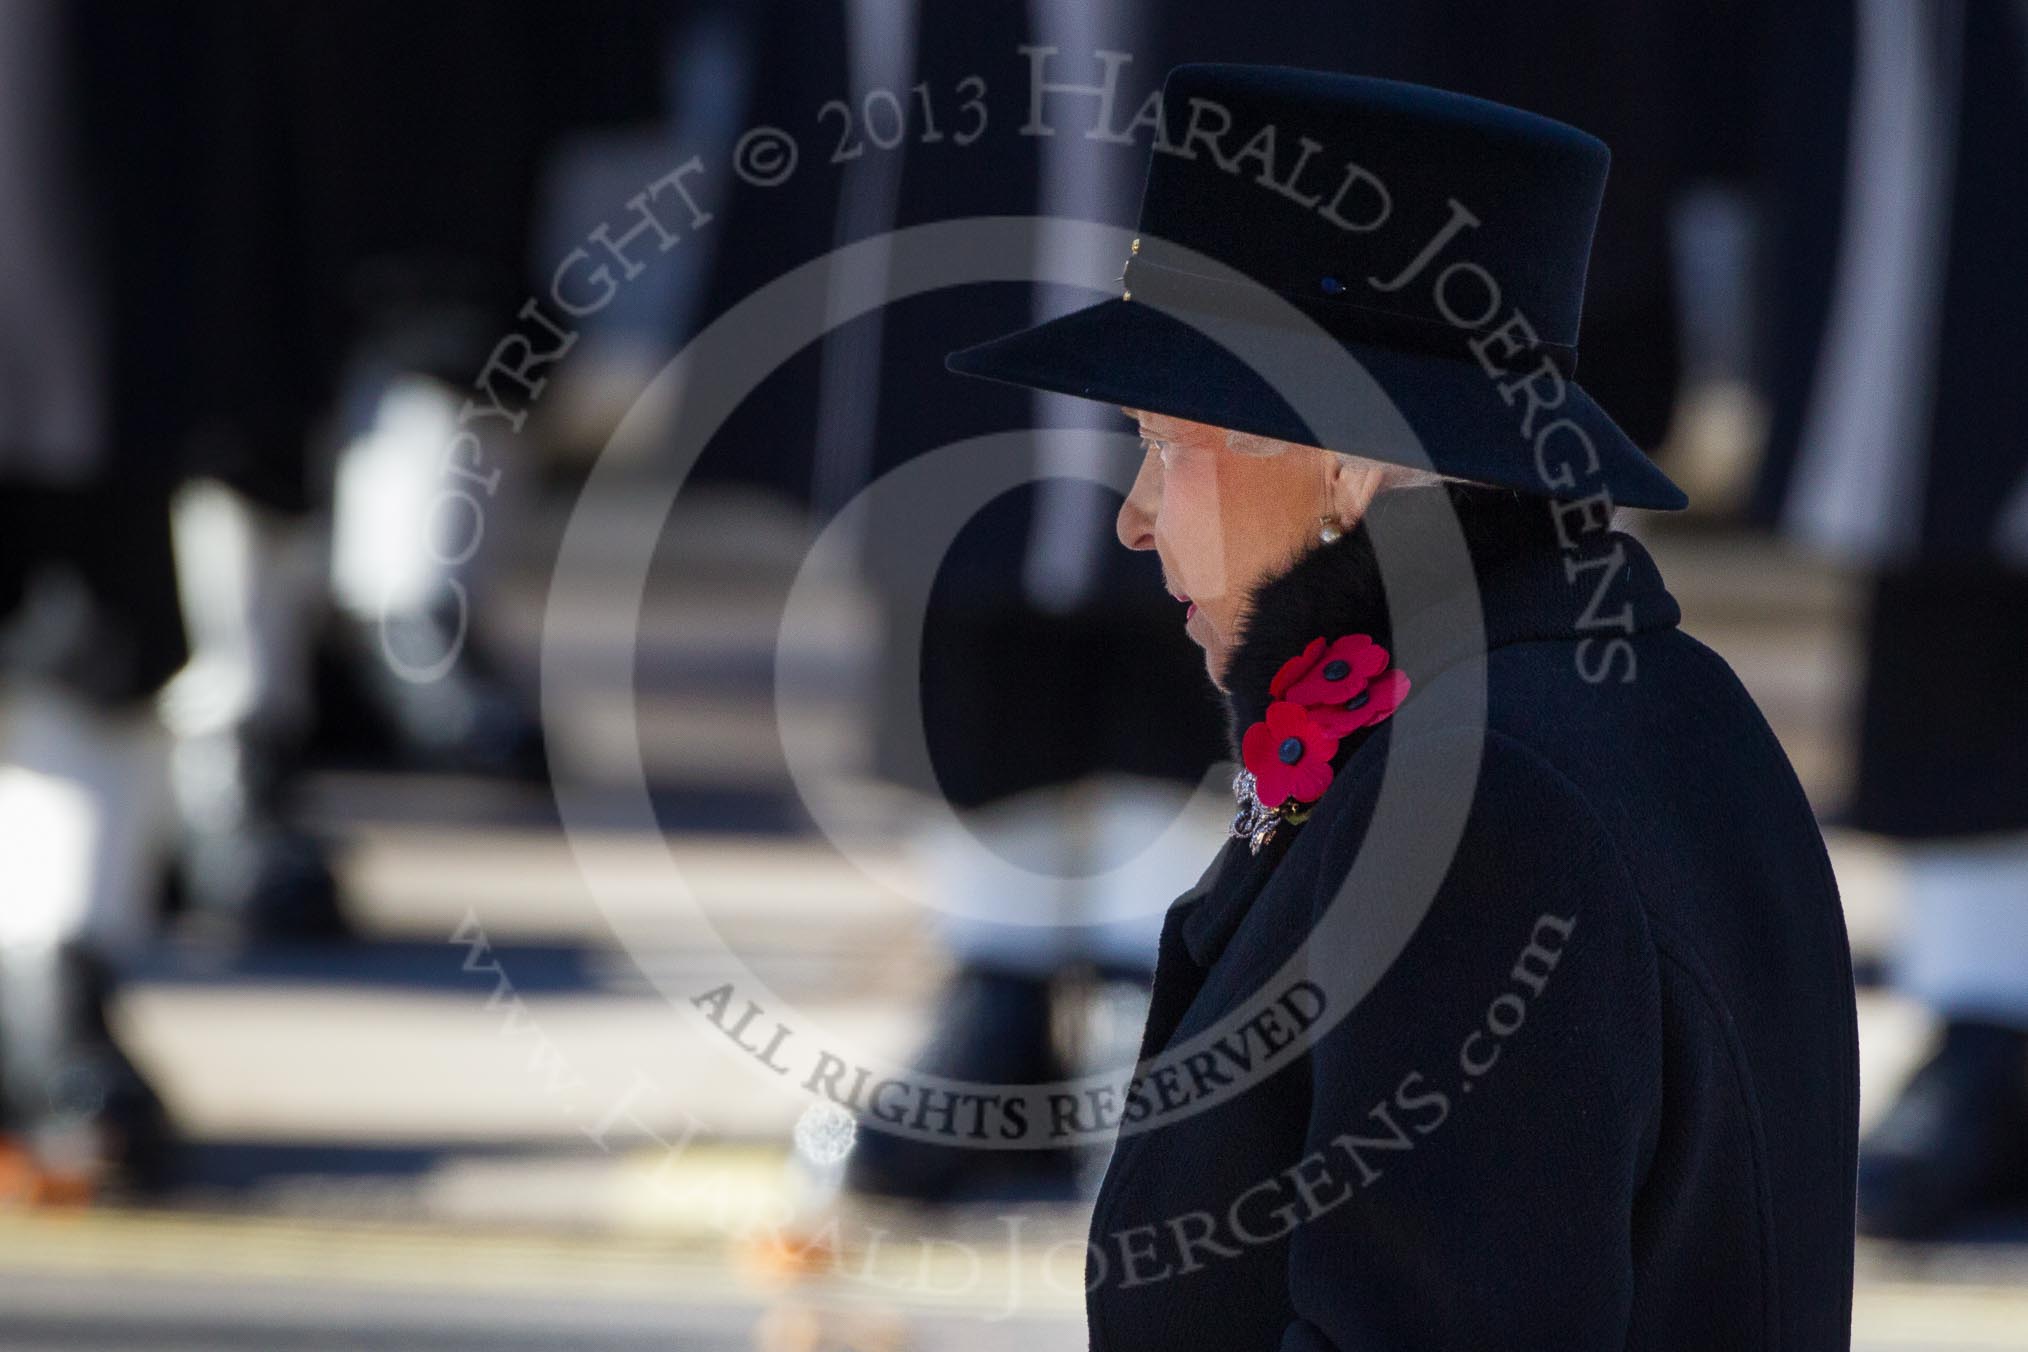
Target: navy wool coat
{"x":1601,"y":1093}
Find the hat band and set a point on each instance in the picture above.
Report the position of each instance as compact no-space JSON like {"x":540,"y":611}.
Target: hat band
{"x":1344,"y":319}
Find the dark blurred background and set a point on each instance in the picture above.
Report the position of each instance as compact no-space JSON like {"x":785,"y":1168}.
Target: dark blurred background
{"x":318,"y":1030}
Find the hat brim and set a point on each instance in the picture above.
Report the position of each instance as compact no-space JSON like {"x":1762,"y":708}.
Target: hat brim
{"x":1132,"y":354}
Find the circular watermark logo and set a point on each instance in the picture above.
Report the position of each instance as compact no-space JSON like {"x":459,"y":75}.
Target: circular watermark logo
{"x":1385,"y":888}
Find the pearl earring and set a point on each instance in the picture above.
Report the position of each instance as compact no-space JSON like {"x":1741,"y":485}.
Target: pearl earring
{"x":1329,"y":530}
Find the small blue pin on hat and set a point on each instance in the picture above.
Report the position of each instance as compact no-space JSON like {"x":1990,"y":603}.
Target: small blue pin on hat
{"x":1439,"y":241}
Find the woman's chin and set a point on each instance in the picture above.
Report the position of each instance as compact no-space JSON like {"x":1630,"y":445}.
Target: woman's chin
{"x":1199,"y":631}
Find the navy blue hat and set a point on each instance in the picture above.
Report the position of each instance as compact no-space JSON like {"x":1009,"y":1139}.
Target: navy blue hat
{"x":1440,"y":241}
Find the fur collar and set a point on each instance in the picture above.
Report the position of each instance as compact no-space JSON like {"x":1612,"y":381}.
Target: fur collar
{"x":1334,"y":589}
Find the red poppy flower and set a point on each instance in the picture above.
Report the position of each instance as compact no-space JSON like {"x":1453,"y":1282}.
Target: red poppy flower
{"x":1340,"y":671}
{"x":1289,"y":755}
{"x":1380,"y":698}
{"x":1296,"y":667}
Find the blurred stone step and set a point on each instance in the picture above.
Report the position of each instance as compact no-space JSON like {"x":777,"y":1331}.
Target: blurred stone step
{"x":334,"y":1064}
{"x":529,"y":884}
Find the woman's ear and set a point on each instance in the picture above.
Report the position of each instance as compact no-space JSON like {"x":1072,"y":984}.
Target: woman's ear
{"x":1351,"y":485}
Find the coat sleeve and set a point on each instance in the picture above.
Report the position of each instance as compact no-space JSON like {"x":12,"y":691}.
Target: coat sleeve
{"x":1481,"y":1121}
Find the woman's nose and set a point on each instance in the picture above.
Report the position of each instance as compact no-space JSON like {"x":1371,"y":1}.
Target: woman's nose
{"x":1136,"y":522}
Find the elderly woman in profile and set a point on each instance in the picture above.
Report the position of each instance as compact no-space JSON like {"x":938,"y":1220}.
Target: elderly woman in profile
{"x":1517,"y":1012}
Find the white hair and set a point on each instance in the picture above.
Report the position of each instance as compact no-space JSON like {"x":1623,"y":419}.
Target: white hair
{"x":1398,"y":476}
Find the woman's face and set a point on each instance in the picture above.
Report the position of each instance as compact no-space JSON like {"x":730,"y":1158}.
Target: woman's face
{"x":1223,"y":522}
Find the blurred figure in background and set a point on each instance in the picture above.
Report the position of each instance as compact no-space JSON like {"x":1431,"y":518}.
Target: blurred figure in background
{"x":1897,"y":184}
{"x":251,"y":249}
{"x":1085,"y":759}
{"x":87,"y":595}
